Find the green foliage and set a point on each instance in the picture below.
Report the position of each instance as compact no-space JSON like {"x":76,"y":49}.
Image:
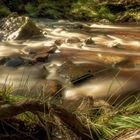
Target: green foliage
{"x":49,"y":10}
{"x":4,"y":11}
{"x":91,"y":10}
{"x":104,"y":13}
{"x":133,"y":14}
{"x":31,"y":10}
{"x":108,"y":124}
{"x":71,"y":9}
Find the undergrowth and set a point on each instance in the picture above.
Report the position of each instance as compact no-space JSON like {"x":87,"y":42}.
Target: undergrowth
{"x":105,"y":122}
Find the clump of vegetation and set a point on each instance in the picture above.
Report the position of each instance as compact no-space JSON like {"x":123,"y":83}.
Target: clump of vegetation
{"x":40,"y":119}
{"x":91,"y":10}
{"x":31,"y":10}
{"x":73,"y":9}
{"x":111,"y":123}
{"x":4,"y":11}
{"x":49,"y":10}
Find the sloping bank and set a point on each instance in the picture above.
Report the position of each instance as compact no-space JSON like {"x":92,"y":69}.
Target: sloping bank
{"x":114,"y":11}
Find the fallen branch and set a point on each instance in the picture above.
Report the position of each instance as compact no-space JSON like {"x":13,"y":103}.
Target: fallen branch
{"x":11,"y":110}
{"x":70,"y":119}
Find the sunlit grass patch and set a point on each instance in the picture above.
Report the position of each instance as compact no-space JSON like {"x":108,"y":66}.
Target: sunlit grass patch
{"x":111,"y":123}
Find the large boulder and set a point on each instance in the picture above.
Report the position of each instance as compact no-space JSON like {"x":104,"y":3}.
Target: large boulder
{"x":19,"y":28}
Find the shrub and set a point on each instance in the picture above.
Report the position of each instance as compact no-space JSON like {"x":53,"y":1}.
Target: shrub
{"x":4,"y":11}
{"x":31,"y":10}
{"x":49,"y":10}
{"x":91,"y":10}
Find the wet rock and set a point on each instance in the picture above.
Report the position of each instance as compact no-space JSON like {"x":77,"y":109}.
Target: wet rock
{"x":123,"y":63}
{"x":79,"y":26}
{"x":58,"y":42}
{"x":42,"y":57}
{"x":89,"y":41}
{"x":112,"y":60}
{"x":19,"y":28}
{"x":72,"y":40}
{"x":14,"y":62}
{"x":128,"y":134}
{"x":104,"y":21}
{"x":114,"y":44}
{"x":3,"y":60}
{"x":59,"y":30}
{"x":71,"y":72}
{"x":49,"y":47}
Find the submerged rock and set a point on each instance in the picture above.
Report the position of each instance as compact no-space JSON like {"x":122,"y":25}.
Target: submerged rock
{"x":14,"y":62}
{"x":73,"y":40}
{"x":42,"y":57}
{"x":104,"y":21}
{"x":59,"y":42}
{"x":49,"y":47}
{"x":3,"y":60}
{"x":89,"y":41}
{"x":115,"y":44}
{"x":19,"y":27}
{"x":72,"y":72}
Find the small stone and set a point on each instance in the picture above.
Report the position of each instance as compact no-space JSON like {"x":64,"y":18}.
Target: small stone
{"x":114,"y":44}
{"x":49,"y":47}
{"x":42,"y":48}
{"x":59,"y":42}
{"x":59,"y":30}
{"x":78,"y":26}
{"x":89,"y":41}
{"x":42,"y":57}
{"x":104,"y":21}
{"x":73,"y":40}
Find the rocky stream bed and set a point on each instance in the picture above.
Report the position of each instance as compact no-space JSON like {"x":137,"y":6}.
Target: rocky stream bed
{"x":66,"y":61}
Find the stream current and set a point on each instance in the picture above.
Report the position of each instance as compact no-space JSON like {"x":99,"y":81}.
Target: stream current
{"x":111,"y":61}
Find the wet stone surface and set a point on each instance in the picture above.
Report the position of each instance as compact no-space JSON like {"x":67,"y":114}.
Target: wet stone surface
{"x":70,"y":53}
{"x":14,"y":62}
{"x":18,"y":27}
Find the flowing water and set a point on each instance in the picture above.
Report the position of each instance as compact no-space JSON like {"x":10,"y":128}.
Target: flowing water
{"x":111,"y":62}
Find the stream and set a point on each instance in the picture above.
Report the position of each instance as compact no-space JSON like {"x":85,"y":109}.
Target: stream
{"x":102,"y":61}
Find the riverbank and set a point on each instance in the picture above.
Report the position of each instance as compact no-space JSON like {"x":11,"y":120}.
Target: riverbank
{"x":104,"y":12}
